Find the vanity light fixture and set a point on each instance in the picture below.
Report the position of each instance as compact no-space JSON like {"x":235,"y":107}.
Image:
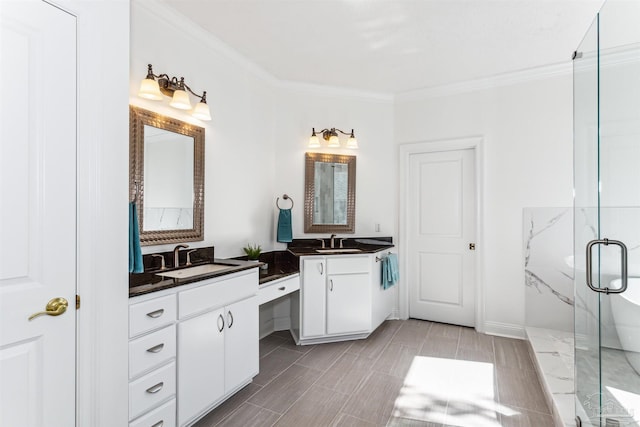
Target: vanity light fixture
{"x":177,"y":89}
{"x":331,"y":135}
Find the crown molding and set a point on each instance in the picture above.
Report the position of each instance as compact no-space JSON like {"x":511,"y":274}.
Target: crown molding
{"x":504,"y":79}
{"x":187,"y":27}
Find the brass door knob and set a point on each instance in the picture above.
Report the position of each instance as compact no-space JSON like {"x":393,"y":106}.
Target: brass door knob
{"x":55,"y":307}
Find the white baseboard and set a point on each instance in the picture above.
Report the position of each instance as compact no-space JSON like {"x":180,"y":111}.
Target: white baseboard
{"x":509,"y":330}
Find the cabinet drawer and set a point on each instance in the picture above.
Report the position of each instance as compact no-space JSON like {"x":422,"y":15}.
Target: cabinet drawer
{"x":217,"y":294}
{"x":151,"y":350}
{"x":272,"y":291}
{"x":152,"y":314}
{"x":342,"y":264}
{"x":153,"y":388}
{"x":164,"y":416}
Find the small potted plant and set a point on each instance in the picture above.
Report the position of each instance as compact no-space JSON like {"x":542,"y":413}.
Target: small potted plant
{"x":252,"y":251}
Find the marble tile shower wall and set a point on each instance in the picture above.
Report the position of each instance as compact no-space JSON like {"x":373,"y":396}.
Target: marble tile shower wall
{"x":548,"y":268}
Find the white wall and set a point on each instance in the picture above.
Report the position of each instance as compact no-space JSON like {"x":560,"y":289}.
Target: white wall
{"x":527,"y":132}
{"x":257,"y":138}
{"x":301,"y":108}
{"x":239,"y":144}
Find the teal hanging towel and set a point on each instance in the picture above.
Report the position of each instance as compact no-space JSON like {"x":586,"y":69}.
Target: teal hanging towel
{"x":390,"y":273}
{"x":135,"y":252}
{"x":285,"y":231}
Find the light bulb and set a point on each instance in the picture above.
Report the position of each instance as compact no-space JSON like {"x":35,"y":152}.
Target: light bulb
{"x":334,"y":141}
{"x":202,"y":111}
{"x":149,"y":89}
{"x":180,"y":100}
{"x":314,"y":141}
{"x":352,"y":142}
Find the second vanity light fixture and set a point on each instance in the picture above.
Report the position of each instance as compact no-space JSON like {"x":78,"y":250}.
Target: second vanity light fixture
{"x":175,"y":88}
{"x":331,"y":135}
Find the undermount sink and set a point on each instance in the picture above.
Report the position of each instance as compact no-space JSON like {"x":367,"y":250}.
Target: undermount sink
{"x":338,"y":250}
{"x":194,"y":271}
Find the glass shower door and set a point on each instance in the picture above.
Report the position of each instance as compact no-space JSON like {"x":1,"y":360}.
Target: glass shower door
{"x":607,"y":219}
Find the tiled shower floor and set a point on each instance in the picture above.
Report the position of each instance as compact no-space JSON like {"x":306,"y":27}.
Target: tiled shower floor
{"x":554,"y":354}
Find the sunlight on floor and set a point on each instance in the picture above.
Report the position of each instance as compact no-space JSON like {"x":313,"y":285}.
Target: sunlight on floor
{"x":627,"y":407}
{"x":454,"y":392}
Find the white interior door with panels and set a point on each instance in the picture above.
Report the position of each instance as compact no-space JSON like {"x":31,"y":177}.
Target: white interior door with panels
{"x":441,"y":222}
{"x":38,"y":214}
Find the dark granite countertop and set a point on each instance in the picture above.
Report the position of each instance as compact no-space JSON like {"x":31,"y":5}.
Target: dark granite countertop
{"x":360,"y":245}
{"x":153,"y":281}
{"x":273,"y":265}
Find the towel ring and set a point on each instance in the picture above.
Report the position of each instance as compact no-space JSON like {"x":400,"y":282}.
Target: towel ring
{"x":285,"y":197}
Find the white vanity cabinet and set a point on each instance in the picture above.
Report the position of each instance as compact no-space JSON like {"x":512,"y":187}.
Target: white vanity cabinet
{"x":191,"y":347}
{"x":217,"y":343}
{"x":340,"y":298}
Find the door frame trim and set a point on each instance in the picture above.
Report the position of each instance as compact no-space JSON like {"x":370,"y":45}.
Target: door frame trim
{"x":475,"y":143}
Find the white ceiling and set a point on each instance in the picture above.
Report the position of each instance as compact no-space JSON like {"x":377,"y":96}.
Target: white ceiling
{"x":394,"y":45}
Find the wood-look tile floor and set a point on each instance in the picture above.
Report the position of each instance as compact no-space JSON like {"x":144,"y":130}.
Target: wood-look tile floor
{"x":407,"y":373}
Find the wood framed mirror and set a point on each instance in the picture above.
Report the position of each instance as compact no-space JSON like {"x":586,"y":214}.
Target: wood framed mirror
{"x":330,"y":193}
{"x":166,"y":177}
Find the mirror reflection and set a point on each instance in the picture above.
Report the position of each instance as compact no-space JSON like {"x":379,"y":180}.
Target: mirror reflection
{"x":166,"y":177}
{"x":168,"y":172}
{"x":329,"y":193}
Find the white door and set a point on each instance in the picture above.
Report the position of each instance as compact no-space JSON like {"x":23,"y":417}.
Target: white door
{"x":241,"y":343}
{"x":348,"y":303}
{"x":37,"y":214}
{"x":441,"y":214}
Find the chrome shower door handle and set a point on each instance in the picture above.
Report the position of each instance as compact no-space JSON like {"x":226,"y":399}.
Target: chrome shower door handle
{"x":623,"y":265}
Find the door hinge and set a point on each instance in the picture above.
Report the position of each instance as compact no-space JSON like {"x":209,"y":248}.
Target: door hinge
{"x":77,"y":302}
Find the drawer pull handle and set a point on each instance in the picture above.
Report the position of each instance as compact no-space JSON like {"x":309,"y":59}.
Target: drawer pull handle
{"x":156,"y":348}
{"x":331,"y":285}
{"x":230,"y":319}
{"x":156,"y":314}
{"x":156,"y":388}
{"x":220,"y":319}
{"x":158,"y":424}
{"x":282,"y":288}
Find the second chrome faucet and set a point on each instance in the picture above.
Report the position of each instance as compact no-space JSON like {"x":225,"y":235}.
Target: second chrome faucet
{"x":176,"y":254}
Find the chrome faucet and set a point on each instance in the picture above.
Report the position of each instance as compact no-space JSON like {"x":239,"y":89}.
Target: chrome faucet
{"x":176,"y":255}
{"x":332,"y":241}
